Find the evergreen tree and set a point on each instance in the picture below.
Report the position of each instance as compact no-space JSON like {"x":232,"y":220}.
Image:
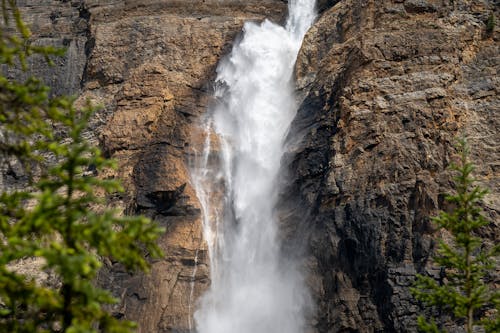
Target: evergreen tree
{"x":465,"y":294}
{"x":59,"y":216}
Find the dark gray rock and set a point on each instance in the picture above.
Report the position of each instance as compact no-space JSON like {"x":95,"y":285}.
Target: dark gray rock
{"x":385,"y":90}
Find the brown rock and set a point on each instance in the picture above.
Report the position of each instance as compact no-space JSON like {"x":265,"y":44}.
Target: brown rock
{"x":149,"y":63}
{"x":386,"y":87}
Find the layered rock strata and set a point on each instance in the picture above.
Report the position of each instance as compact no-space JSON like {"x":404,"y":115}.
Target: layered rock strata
{"x":151,"y":65}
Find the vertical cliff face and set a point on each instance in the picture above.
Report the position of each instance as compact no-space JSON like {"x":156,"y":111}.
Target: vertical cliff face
{"x":386,"y":87}
{"x":149,"y":64}
{"x":62,"y":25}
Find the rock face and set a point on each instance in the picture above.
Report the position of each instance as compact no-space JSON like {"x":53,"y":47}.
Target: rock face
{"x":386,"y":87}
{"x":64,"y":26}
{"x":149,"y":64}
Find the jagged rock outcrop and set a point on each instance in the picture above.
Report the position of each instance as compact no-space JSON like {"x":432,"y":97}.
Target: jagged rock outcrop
{"x":386,"y":87}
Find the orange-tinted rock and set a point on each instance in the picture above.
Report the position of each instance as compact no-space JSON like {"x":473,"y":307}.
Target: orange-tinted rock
{"x":150,"y":65}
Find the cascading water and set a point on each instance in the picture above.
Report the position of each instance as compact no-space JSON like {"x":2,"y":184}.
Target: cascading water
{"x":252,"y":290}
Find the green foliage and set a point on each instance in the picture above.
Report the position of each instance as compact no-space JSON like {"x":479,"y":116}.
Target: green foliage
{"x":60,"y":215}
{"x":426,"y":326}
{"x":490,"y":23}
{"x":14,"y":42}
{"x":466,"y":262}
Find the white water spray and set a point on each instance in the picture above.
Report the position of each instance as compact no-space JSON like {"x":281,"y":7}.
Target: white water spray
{"x":252,"y":290}
{"x":191,"y":292}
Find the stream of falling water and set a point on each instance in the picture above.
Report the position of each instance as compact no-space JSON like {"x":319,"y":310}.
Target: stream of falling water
{"x":252,"y":289}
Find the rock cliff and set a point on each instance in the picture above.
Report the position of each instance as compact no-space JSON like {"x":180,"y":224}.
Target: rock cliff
{"x":384,"y":86}
{"x":149,"y":64}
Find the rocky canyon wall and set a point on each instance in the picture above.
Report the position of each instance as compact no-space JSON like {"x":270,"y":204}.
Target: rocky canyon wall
{"x":149,"y":65}
{"x":385,"y":87}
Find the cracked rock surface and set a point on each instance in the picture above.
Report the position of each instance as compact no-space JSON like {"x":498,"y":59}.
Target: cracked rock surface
{"x":386,"y":87}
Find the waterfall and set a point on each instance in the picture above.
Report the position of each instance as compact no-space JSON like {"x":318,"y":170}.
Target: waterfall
{"x":252,"y":289}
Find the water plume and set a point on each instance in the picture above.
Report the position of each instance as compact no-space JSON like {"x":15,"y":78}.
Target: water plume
{"x":252,"y":289}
